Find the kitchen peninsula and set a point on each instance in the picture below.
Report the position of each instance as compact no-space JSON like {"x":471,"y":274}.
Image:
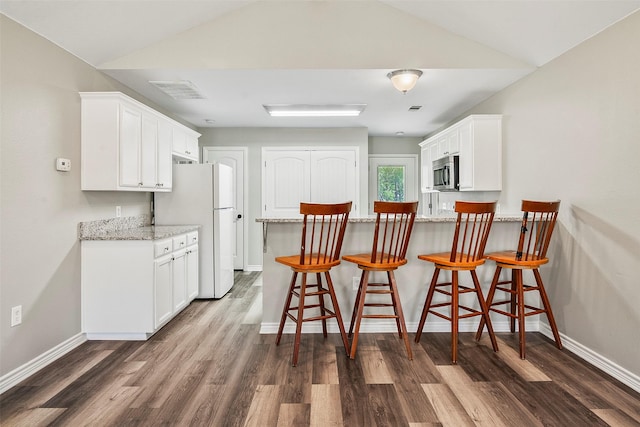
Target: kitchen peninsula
{"x":430,"y":234}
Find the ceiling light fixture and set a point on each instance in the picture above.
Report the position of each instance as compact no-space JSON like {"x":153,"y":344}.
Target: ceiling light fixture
{"x":305,"y":110}
{"x":404,"y":80}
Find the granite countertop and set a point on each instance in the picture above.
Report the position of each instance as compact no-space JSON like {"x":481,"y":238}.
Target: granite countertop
{"x":371,"y":219}
{"x":130,"y":228}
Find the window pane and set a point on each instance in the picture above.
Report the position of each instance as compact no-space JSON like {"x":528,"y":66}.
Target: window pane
{"x":391,"y":183}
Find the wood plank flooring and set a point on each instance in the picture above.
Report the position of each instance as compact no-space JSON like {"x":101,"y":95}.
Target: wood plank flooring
{"x":211,"y":367}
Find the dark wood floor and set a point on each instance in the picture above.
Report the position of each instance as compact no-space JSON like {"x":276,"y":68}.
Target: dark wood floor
{"x":210,"y":366}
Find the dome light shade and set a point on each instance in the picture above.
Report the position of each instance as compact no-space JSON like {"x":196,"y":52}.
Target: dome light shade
{"x":404,"y":80}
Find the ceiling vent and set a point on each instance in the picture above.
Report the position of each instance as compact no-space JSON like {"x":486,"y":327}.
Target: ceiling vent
{"x":415,"y":107}
{"x":183,"y":89}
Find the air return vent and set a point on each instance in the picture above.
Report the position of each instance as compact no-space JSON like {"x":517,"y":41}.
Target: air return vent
{"x":183,"y":89}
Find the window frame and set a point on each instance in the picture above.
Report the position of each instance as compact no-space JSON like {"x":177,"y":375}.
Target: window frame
{"x":409,"y":161}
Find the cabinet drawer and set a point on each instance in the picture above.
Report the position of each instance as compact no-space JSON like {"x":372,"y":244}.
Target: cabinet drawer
{"x":180,"y":242}
{"x":163,"y":247}
{"x":192,"y":238}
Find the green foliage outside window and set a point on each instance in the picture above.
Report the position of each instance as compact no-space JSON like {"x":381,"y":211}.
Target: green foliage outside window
{"x":391,"y":183}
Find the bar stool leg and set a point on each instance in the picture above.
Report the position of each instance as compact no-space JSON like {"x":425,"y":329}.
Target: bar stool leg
{"x":521,"y":313}
{"x":485,"y":310}
{"x":287,"y":305}
{"x":547,"y":307}
{"x":402,"y":326}
{"x":454,"y":316}
{"x":514,"y":300}
{"x":427,"y":304}
{"x":336,"y":309}
{"x":490,"y":295}
{"x":394,"y":295}
{"x":321,"y":303}
{"x":296,"y":344}
{"x":360,"y":308}
{"x":356,"y":304}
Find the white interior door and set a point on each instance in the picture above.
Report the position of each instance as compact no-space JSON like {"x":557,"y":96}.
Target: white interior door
{"x":236,"y":158}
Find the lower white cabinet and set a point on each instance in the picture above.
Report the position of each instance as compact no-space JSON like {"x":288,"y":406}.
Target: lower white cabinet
{"x":131,"y":288}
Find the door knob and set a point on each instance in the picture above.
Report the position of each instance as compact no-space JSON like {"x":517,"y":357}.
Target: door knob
{"x":239,"y":216}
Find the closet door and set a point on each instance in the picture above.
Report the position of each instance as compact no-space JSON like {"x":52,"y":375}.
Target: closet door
{"x":333,"y":176}
{"x":286,"y":182}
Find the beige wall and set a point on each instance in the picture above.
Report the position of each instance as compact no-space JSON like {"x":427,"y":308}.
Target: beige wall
{"x":572,"y":132}
{"x":40,"y":208}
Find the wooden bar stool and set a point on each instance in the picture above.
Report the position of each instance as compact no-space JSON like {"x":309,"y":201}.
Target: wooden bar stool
{"x":394,"y":223}
{"x":538,"y":222}
{"x":467,"y":252}
{"x":323,"y":228}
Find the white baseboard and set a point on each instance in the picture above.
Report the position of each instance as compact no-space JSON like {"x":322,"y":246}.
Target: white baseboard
{"x":253,"y":268}
{"x":616,"y":371}
{"x":25,"y":371}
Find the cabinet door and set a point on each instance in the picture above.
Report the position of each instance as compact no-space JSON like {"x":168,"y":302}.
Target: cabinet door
{"x":164,"y":166}
{"x":192,"y":272}
{"x":426,"y":171}
{"x":453,"y":141}
{"x":333,"y":177}
{"x":179,"y":141}
{"x":148,"y":152}
{"x":191,"y":147}
{"x":466,"y":155}
{"x":286,"y":182}
{"x":162,"y":298}
{"x":179,"y":280}
{"x":129,"y":146}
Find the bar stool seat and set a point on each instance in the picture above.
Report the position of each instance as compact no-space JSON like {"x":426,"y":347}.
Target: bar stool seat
{"x":323,"y":228}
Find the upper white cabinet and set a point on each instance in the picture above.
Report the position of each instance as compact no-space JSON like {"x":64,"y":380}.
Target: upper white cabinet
{"x":185,"y":144}
{"x":126,"y":146}
{"x":321,"y":175}
{"x":477,"y":140}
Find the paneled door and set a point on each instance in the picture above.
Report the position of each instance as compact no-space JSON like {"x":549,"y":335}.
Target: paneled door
{"x":235,"y":157}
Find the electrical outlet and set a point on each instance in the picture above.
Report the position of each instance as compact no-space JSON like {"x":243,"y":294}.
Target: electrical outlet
{"x":16,"y":315}
{"x":356,"y":283}
{"x":118,"y":211}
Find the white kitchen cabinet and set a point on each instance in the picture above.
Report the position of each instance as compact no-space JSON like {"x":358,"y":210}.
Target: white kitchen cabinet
{"x":131,"y":288}
{"x":481,"y":153}
{"x":192,"y":266}
{"x":185,"y":144}
{"x":477,"y":140}
{"x":126,"y":146}
{"x":179,"y":279}
{"x":305,"y":174}
{"x":162,"y":291}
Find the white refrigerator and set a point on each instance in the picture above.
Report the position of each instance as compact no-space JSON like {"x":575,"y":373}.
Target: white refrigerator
{"x":203,"y":194}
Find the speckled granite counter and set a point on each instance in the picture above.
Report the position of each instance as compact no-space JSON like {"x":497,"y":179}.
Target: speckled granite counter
{"x":366,"y":219}
{"x":130,"y":228}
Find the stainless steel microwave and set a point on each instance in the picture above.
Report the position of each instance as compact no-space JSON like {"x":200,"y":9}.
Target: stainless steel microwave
{"x":446,"y":174}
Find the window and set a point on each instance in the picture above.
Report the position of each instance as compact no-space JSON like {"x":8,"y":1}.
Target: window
{"x":392,"y":178}
{"x":391,"y":183}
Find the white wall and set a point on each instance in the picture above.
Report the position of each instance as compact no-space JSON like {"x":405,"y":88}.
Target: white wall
{"x":40,"y":208}
{"x":256,"y":138}
{"x":572,"y":132}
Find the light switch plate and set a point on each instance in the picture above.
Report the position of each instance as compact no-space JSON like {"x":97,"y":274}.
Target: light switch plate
{"x":63,"y":165}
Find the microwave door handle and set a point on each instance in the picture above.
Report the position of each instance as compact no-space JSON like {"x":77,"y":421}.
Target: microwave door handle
{"x":445,"y":176}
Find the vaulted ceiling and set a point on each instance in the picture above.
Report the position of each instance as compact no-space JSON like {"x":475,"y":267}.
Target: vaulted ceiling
{"x":243,"y":54}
